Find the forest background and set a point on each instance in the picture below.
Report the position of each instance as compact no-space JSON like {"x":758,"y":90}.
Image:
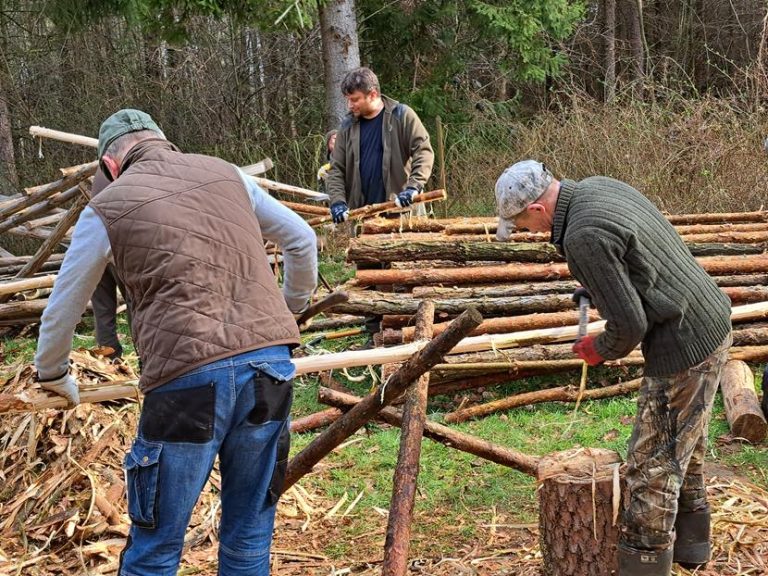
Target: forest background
{"x":668,"y":95}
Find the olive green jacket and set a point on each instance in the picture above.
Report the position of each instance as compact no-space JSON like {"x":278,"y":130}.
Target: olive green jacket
{"x":407,"y":160}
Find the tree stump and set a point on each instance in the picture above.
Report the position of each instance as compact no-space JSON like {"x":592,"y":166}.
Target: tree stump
{"x":742,"y":409}
{"x":579,"y":511}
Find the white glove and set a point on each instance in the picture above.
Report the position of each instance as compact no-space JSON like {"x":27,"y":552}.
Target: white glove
{"x":65,"y":386}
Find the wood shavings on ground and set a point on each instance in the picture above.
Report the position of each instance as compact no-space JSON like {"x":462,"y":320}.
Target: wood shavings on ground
{"x":63,"y":509}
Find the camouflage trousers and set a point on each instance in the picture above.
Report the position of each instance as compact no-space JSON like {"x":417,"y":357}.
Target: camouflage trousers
{"x":665,"y":461}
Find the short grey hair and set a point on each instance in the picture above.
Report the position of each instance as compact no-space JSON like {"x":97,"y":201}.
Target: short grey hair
{"x":121,"y":145}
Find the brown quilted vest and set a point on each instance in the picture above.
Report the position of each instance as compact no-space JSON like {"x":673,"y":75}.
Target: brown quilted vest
{"x":188,"y":247}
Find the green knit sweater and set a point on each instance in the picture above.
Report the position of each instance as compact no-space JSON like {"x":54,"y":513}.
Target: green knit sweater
{"x":642,"y":278}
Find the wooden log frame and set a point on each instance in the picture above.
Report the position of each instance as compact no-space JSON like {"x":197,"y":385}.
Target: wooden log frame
{"x":46,"y":191}
{"x":40,"y":208}
{"x":443,"y":434}
{"x":742,"y":409}
{"x":16,"y":286}
{"x":372,"y":209}
{"x":414,"y":367}
{"x":579,"y":506}
{"x":715,"y":266}
{"x":407,"y":468}
{"x":338,"y":360}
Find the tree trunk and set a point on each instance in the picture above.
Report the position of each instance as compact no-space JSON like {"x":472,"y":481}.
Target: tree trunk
{"x":316,"y":420}
{"x":633,"y":13}
{"x":579,"y":507}
{"x":742,"y":408}
{"x":341,"y":53}
{"x":9,"y":179}
{"x":609,"y":38}
{"x":407,"y":468}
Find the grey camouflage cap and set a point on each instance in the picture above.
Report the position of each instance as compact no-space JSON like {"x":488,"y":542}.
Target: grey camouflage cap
{"x":517,"y":187}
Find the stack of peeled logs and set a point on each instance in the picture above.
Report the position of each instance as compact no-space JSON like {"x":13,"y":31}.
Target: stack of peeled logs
{"x":524,"y":284}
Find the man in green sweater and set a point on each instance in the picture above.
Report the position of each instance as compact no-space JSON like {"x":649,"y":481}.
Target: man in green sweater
{"x":651,"y":291}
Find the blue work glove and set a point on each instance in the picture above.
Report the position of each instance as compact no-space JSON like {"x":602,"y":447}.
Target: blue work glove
{"x":405,"y":198}
{"x":339,"y":212}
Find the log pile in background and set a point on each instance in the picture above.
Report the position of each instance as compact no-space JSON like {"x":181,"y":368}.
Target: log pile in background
{"x":525,"y":284}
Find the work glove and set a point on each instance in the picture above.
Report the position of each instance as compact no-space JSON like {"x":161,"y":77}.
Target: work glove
{"x":323,"y":171}
{"x":65,"y":386}
{"x":579,"y":293}
{"x":339,"y":212}
{"x":405,"y":198}
{"x":584,"y":348}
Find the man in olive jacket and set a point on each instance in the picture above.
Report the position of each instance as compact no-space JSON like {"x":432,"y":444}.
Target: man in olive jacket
{"x":651,"y":291}
{"x":382,"y":149}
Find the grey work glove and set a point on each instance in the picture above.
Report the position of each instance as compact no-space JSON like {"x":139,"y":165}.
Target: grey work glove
{"x":65,"y":386}
{"x":405,"y":198}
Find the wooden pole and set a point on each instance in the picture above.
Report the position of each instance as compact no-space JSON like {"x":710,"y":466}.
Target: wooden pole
{"x":316,"y":420}
{"x":40,"y":132}
{"x":58,"y":233}
{"x":441,"y":158}
{"x":288,"y":189}
{"x":371,"y":209}
{"x":561,"y":394}
{"x":407,"y":468}
{"x":305,"y":208}
{"x":16,"y":286}
{"x":445,"y":435}
{"x":415,"y":366}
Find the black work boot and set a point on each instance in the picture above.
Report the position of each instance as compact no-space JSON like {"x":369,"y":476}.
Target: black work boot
{"x":692,"y":548}
{"x":636,"y":562}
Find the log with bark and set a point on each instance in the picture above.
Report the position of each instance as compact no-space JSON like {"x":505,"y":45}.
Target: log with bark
{"x":372,"y":302}
{"x":372,"y":209}
{"x":719,"y":217}
{"x":742,"y":408}
{"x":715,"y":266}
{"x":443,"y":434}
{"x":407,"y":468}
{"x":314,"y":421}
{"x":579,"y":507}
{"x":311,"y":209}
{"x":414,"y":367}
{"x":560,"y":394}
{"x":365,"y":250}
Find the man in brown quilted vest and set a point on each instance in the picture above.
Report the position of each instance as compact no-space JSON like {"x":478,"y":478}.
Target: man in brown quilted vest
{"x":211,"y":327}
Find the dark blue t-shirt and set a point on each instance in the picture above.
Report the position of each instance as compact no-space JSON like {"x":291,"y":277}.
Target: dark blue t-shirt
{"x":371,"y":154}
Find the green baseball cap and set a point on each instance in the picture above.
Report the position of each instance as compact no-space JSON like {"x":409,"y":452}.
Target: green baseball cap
{"x":123,"y":122}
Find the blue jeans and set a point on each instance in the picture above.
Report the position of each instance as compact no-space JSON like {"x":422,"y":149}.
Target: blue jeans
{"x":237,"y":408}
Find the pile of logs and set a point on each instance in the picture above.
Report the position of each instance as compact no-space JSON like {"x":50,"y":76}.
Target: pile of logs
{"x":524,"y":285}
